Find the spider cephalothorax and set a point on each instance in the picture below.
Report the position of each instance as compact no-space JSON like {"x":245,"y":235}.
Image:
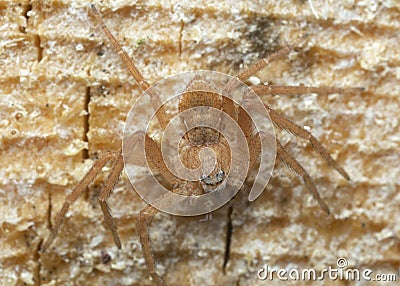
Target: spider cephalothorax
{"x":203,"y":147}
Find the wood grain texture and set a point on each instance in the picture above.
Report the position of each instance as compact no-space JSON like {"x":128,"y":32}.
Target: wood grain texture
{"x":64,"y":96}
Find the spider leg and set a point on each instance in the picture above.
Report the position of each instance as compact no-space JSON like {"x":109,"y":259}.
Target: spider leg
{"x":255,"y":150}
{"x":227,"y":105}
{"x":290,"y":90}
{"x":124,"y":56}
{"x":245,"y":122}
{"x":105,"y":193}
{"x":292,"y":163}
{"x":253,"y":140}
{"x":143,"y":84}
{"x":156,"y":161}
{"x":284,"y":123}
{"x":145,"y":217}
{"x":79,"y":189}
{"x":253,"y":69}
{"x":143,"y":224}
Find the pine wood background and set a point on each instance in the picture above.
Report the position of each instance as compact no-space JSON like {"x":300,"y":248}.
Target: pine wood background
{"x":64,"y":95}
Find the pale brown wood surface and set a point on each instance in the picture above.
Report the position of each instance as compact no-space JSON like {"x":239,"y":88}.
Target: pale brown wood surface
{"x":64,"y":96}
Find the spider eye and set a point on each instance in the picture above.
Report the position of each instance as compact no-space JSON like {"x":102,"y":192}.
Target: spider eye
{"x":207,"y":180}
{"x":220,"y":176}
{"x":213,"y":180}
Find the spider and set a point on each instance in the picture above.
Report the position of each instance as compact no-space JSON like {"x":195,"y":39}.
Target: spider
{"x":194,"y":142}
